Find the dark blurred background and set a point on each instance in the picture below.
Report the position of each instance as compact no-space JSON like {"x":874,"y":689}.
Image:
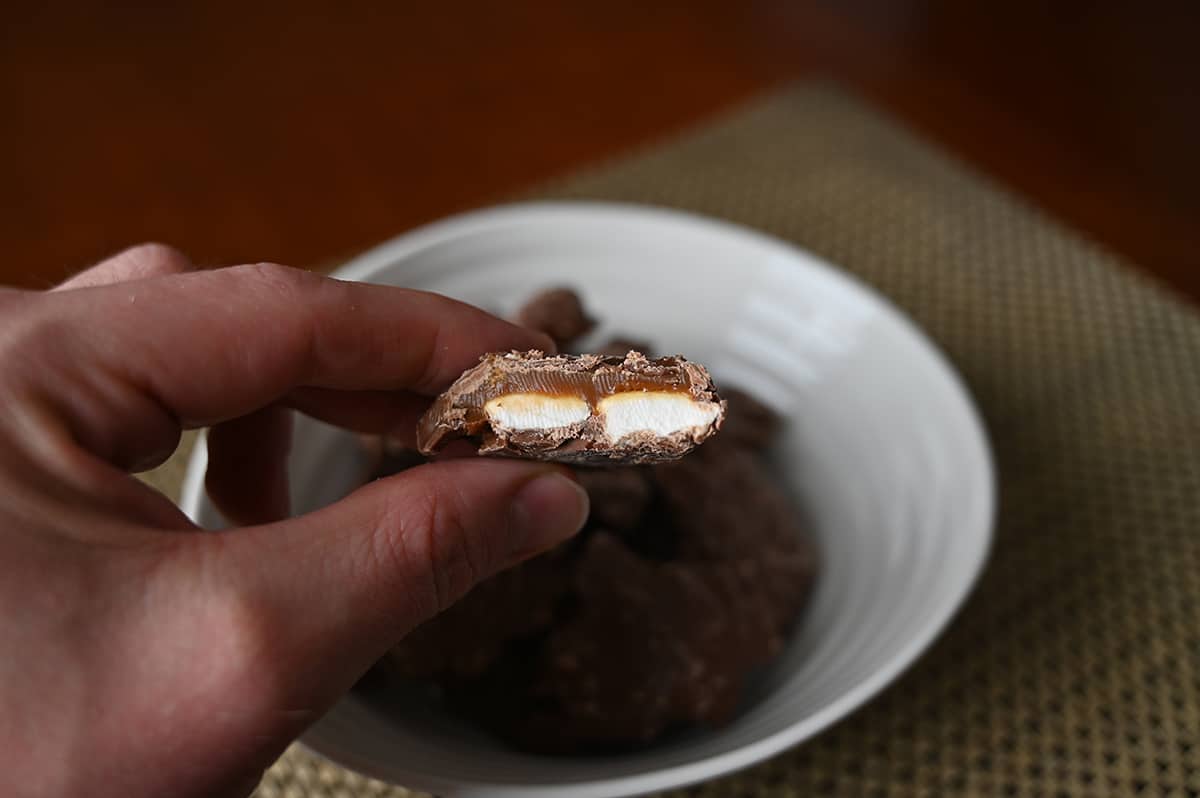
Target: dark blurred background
{"x":302,"y":132}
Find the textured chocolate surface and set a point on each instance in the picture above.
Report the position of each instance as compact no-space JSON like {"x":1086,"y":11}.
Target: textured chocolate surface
{"x":619,"y":496}
{"x":559,"y":313}
{"x":688,"y":576}
{"x":459,"y":411}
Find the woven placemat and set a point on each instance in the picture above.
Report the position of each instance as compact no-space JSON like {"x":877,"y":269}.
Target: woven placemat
{"x":1074,"y":670}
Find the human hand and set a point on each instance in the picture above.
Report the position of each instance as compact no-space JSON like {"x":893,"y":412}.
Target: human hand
{"x":141,"y":656}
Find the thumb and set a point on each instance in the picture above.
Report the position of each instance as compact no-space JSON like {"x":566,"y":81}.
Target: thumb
{"x":331,"y":591}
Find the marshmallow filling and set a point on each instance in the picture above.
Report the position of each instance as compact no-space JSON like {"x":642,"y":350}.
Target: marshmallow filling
{"x":622,"y":414}
{"x":535,"y":411}
{"x":660,"y":412}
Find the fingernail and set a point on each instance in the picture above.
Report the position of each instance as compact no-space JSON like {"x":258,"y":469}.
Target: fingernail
{"x":547,"y":510}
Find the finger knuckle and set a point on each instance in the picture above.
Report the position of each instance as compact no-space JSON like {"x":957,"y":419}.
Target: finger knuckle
{"x":429,"y":536}
{"x":399,"y":546}
{"x":33,"y":342}
{"x":282,"y":280}
{"x":163,"y":257}
{"x":456,"y":552}
{"x":248,"y":648}
{"x":429,"y":379}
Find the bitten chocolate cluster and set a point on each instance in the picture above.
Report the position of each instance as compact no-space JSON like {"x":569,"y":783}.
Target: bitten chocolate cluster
{"x":688,"y":577}
{"x":582,"y":409}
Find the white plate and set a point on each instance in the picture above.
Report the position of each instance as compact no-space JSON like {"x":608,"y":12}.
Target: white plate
{"x":884,"y":453}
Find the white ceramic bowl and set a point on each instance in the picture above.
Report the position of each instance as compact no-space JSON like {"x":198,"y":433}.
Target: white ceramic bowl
{"x":884,"y":453}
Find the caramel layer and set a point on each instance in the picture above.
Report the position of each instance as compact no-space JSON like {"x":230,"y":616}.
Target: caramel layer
{"x":591,"y":387}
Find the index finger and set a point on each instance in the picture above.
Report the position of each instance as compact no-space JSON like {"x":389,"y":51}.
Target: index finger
{"x":210,"y":346}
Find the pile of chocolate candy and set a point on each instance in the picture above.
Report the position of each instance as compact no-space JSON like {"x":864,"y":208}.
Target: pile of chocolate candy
{"x":688,"y":577}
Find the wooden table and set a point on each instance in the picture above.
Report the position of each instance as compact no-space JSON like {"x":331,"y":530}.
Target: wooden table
{"x":304,"y":131}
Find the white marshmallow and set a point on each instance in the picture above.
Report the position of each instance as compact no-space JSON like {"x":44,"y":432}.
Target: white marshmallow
{"x":659,"y":412}
{"x":519,"y":411}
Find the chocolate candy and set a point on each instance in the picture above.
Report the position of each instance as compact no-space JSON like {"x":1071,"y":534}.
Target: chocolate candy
{"x":653,"y":645}
{"x":619,"y":347}
{"x":619,"y":496}
{"x":558,"y":313}
{"x":687,"y":578}
{"x":748,"y":421}
{"x":583,"y":409}
{"x":626,"y":633}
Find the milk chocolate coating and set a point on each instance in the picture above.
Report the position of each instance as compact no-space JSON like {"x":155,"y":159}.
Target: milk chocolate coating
{"x":558,"y":313}
{"x":460,"y":412}
{"x":735,"y":513}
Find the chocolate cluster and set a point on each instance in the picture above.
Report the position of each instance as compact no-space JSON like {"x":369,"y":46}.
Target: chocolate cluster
{"x":555,"y":386}
{"x":688,"y":577}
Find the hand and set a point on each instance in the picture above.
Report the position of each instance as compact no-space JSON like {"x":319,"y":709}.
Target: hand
{"x":140,"y":656}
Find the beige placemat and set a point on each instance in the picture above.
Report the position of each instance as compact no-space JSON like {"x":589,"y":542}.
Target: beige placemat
{"x":1075,"y":668}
